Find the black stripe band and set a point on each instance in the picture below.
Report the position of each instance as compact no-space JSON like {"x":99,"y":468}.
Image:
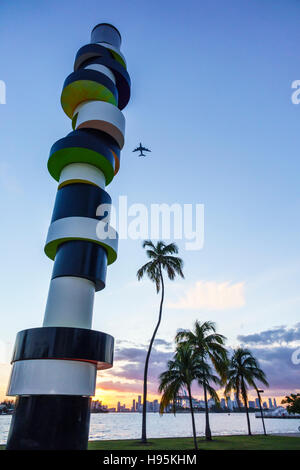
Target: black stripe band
{"x":89,"y":51}
{"x":80,"y":200}
{"x":81,"y":259}
{"x":45,"y":422}
{"x":65,"y":343}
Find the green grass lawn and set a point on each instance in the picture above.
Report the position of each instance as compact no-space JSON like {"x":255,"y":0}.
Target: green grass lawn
{"x":218,"y":443}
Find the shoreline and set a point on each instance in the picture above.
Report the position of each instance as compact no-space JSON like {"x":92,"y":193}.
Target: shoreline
{"x":286,"y":434}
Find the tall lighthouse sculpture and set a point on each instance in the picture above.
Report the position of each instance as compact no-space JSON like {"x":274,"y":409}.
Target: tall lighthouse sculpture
{"x":55,"y":366}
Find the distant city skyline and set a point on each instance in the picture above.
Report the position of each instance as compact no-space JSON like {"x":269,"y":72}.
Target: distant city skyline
{"x":153,"y":405}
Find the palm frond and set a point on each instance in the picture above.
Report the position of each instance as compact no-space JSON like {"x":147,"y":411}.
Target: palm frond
{"x":160,"y":259}
{"x":143,"y":270}
{"x":170,"y":249}
{"x":148,"y":243}
{"x":243,"y":372}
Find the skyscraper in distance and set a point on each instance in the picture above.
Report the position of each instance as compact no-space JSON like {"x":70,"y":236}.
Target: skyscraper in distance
{"x":270,"y":403}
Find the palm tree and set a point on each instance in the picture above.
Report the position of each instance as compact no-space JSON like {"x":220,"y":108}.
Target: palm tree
{"x":243,"y":371}
{"x":209,"y":347}
{"x":181,"y":372}
{"x":293,"y":403}
{"x":160,"y":259}
{"x":205,"y":378}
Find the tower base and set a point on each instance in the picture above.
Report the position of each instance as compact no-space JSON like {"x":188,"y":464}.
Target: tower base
{"x":50,"y":422}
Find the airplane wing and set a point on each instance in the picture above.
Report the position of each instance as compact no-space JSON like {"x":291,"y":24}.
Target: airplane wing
{"x":136,"y":150}
{"x":146,"y":150}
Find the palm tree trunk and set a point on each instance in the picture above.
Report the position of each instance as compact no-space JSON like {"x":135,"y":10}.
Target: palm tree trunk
{"x":238,"y":402}
{"x":193,"y":418}
{"x":246,"y":407}
{"x":207,"y":426}
{"x":248,"y":419}
{"x":144,"y":428}
{"x":261,"y":412}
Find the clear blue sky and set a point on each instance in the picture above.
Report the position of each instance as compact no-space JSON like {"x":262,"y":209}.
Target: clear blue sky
{"x":211,"y":96}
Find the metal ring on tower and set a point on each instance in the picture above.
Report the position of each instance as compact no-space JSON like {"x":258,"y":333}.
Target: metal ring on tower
{"x":86,"y":85}
{"x":82,"y":228}
{"x":102,"y":116}
{"x":121,"y":75}
{"x":82,"y":146}
{"x":78,"y":344}
{"x":90,"y":51}
{"x":82,"y":259}
{"x":81,"y":200}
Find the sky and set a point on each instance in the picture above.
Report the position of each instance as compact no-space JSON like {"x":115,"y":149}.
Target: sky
{"x":211,"y":97}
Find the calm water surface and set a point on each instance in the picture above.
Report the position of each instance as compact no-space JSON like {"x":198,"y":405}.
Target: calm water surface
{"x":128,"y":425}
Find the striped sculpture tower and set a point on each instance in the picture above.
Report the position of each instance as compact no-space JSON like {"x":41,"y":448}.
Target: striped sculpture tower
{"x":55,"y":366}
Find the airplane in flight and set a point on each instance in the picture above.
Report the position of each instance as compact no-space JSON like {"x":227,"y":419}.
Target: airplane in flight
{"x":141,"y":149}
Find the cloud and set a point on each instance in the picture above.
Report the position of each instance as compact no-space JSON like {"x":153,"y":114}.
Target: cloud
{"x":274,"y":358}
{"x":129,"y":354}
{"x":274,"y":349}
{"x":211,"y":295}
{"x":119,"y":386}
{"x":277,"y":364}
{"x":129,"y":362}
{"x":133,"y":361}
{"x":280,"y":335}
{"x":164,"y":343}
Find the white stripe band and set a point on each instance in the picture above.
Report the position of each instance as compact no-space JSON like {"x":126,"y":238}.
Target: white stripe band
{"x":82,"y":172}
{"x":101,"y":68}
{"x":52,"y":377}
{"x":83,"y":228}
{"x":102,"y":116}
{"x":70,"y":302}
